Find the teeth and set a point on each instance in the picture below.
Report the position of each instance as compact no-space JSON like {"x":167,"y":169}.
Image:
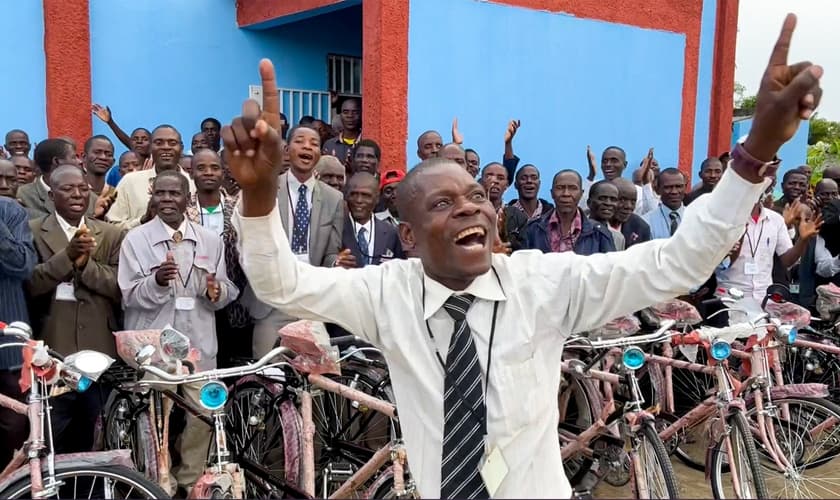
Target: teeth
{"x":469,"y":232}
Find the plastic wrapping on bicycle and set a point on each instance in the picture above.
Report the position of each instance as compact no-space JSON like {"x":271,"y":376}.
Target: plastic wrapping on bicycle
{"x":708,"y":334}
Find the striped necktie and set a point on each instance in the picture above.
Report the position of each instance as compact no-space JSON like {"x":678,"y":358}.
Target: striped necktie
{"x":465,"y":416}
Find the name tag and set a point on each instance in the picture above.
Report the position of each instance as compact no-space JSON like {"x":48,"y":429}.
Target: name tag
{"x":303,"y":257}
{"x":65,"y":292}
{"x":185,"y":303}
{"x":494,"y":470}
{"x":750,"y":268}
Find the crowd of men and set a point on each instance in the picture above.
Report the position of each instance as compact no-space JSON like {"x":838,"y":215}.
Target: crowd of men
{"x":95,"y":243}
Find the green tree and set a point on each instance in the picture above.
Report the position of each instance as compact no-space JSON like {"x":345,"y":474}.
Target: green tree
{"x":744,"y":104}
{"x":823,"y":130}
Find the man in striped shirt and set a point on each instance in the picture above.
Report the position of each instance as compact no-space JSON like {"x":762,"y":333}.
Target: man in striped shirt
{"x":15,"y":267}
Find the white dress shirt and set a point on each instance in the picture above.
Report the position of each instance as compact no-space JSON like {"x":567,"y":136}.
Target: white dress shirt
{"x":543,"y":298}
{"x":369,"y":236}
{"x":752,"y":271}
{"x":65,"y":226}
{"x":827,"y":264}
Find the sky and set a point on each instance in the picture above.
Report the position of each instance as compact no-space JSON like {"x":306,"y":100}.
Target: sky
{"x":817,"y":39}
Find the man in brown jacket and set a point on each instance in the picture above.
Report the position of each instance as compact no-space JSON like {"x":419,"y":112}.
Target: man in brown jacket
{"x":75,"y":295}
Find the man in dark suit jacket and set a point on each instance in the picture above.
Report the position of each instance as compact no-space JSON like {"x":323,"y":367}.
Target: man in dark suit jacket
{"x":35,"y":195}
{"x":313,"y":222}
{"x":76,"y":296}
{"x":633,"y":227}
{"x":369,"y":240}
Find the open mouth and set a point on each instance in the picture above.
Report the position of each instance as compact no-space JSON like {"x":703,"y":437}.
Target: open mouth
{"x":472,"y":237}
{"x":167,"y":156}
{"x":306,"y":156}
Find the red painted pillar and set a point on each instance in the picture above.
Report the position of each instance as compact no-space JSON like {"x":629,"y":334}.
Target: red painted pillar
{"x":67,"y":61}
{"x":385,"y":78}
{"x":723,"y":77}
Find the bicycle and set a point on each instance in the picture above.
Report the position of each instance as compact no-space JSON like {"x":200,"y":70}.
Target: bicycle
{"x":625,"y":426}
{"x":48,"y":474}
{"x":340,"y":411}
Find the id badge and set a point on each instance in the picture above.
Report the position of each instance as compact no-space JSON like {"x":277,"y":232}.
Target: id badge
{"x":303,"y":257}
{"x":493,"y":470}
{"x":65,"y":292}
{"x":750,"y":268}
{"x":184,"y":303}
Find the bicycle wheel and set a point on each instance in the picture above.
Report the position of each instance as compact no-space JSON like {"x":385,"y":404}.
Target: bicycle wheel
{"x":579,"y":404}
{"x":690,"y":389}
{"x":807,"y":431}
{"x":110,"y":481}
{"x":747,"y":467}
{"x":660,"y":480}
{"x":263,"y":428}
{"x":129,"y":427}
{"x":347,"y":434}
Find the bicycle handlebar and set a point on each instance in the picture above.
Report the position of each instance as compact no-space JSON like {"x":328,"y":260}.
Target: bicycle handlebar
{"x":658,"y":336}
{"x":237,"y":371}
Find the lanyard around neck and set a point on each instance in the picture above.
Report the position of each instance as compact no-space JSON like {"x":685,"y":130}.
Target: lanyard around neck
{"x":480,"y":419}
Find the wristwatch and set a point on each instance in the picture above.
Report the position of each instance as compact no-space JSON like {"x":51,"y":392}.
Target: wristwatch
{"x":762,"y":168}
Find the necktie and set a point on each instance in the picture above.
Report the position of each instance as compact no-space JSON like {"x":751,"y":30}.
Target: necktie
{"x":301,"y":222}
{"x":675,"y":221}
{"x":465,"y":416}
{"x":361,"y":239}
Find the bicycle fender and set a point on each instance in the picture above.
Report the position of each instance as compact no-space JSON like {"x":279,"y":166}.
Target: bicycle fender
{"x":793,"y":391}
{"x":88,"y":458}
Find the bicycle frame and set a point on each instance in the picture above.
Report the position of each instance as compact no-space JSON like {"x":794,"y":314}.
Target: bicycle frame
{"x":393,"y":452}
{"x":37,"y":410}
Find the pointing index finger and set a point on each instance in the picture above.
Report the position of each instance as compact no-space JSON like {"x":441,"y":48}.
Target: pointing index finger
{"x":271,"y":102}
{"x":779,"y":56}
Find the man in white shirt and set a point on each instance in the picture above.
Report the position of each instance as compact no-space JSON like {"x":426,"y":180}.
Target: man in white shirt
{"x":750,"y":266}
{"x":454,"y":298}
{"x":135,"y":189}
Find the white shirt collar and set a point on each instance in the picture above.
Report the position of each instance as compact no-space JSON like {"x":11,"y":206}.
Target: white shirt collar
{"x":43,"y":183}
{"x":385,"y":215}
{"x":294,"y":183}
{"x":69,"y":230}
{"x":170,"y":231}
{"x":357,"y":226}
{"x":483,"y":287}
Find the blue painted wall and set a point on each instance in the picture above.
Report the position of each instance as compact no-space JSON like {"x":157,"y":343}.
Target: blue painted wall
{"x":571,"y":81}
{"x":22,"y":94}
{"x":705,"y":69}
{"x":793,"y":153}
{"x":175,"y":61}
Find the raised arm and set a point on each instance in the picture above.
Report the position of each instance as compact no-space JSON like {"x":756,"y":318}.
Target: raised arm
{"x":104,"y":114}
{"x":593,"y":290}
{"x":274,"y":273}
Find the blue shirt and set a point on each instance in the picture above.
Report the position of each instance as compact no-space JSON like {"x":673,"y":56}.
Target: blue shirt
{"x":112,"y":178}
{"x":16,"y":266}
{"x":659,"y":220}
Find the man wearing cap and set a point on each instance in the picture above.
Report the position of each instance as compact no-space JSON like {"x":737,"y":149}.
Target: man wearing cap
{"x":388,"y":183}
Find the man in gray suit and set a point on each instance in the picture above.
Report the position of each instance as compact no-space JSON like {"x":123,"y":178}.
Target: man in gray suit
{"x":313,"y":218}
{"x":48,"y":155}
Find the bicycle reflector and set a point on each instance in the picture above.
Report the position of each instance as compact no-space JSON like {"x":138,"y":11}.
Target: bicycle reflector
{"x":213,"y":395}
{"x":633,"y":358}
{"x":721,"y":349}
{"x":791,"y":335}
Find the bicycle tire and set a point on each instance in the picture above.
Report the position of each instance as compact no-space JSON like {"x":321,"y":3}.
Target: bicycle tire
{"x":577,"y":467}
{"x":809,"y":452}
{"x":276,"y":410}
{"x":665,"y":468}
{"x":138,"y":483}
{"x":740,"y":436}
{"x":138,"y":433}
